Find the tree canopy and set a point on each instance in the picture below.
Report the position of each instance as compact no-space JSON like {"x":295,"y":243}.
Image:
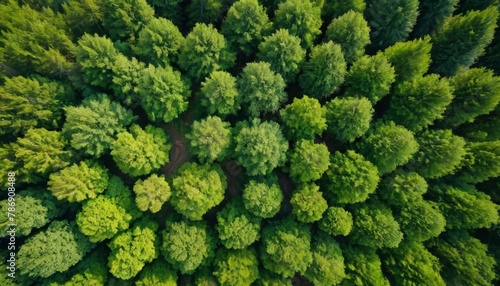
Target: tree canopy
{"x":152,"y":193}
{"x":304,"y":118}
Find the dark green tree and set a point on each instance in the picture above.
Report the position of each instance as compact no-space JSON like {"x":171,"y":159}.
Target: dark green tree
{"x":336,"y":221}
{"x":304,"y":118}
{"x":237,"y":228}
{"x":308,"y":161}
{"x":121,"y":195}
{"x":283,"y":51}
{"x":432,"y":15}
{"x":371,"y":77}
{"x":92,"y":270}
{"x":348,"y":118}
{"x":219,"y":94}
{"x":158,"y":272}
{"x":210,"y":139}
{"x":410,"y":59}
{"x":468,"y":34}
{"x":204,"y":11}
{"x":335,"y":8}
{"x":123,"y":19}
{"x":236,"y":267}
{"x":171,"y":10}
{"x":260,"y":147}
{"x":82,"y":15}
{"x":402,"y":188}
{"x":263,"y":197}
{"x":420,"y":220}
{"x":151,"y":193}
{"x":351,"y":32}
{"x":261,"y":90}
{"x":126,"y":76}
{"x":308,"y":203}
{"x":482,"y":162}
{"x":363,"y":266}
{"x":327,"y":267}
{"x":324,"y":72}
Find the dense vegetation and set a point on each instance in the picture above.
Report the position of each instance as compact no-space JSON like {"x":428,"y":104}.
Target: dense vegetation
{"x":222,"y":142}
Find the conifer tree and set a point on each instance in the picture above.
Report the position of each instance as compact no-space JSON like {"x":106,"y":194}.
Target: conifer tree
{"x":123,"y":19}
{"x":432,"y":15}
{"x":410,"y":59}
{"x":348,"y":118}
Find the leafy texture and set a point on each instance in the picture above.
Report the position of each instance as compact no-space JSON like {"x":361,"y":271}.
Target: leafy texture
{"x":363,"y":266}
{"x":210,"y":139}
{"x":157,"y":273}
{"x":308,"y":203}
{"x":308,"y":161}
{"x":336,"y":221}
{"x":348,"y":118}
{"x":432,"y":16}
{"x":237,"y":228}
{"x":483,"y":162}
{"x":236,"y":267}
{"x":410,"y":59}
{"x":327,"y":267}
{"x":263,"y":197}
{"x":151,"y":193}
{"x":219,"y":94}
{"x":124,"y":19}
{"x":304,"y":118}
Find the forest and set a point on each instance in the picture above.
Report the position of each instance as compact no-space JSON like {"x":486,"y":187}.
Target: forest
{"x":249,"y":142}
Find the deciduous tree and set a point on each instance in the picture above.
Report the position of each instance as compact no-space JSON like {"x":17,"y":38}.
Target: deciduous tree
{"x":363,"y":266}
{"x":335,"y":8}
{"x":348,"y":118}
{"x":308,"y":161}
{"x":219,"y":94}
{"x":336,"y":221}
{"x":204,"y":11}
{"x":263,"y":197}
{"x":304,"y":118}
{"x":157,"y":273}
{"x":237,"y":228}
{"x":236,"y":267}
{"x":151,"y":193}
{"x":123,"y":19}
{"x":327,"y":267}
{"x":210,"y":139}
{"x":308,"y":203}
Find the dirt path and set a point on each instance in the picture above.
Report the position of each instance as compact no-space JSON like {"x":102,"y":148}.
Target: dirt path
{"x":179,"y":153}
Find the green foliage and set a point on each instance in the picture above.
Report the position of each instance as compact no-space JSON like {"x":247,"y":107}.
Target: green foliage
{"x":336,"y":8}
{"x":123,"y":19}
{"x":219,"y":94}
{"x":92,"y":270}
{"x":304,"y":118}
{"x":324,"y":72}
{"x":412,"y":264}
{"x":301,"y":18}
{"x":432,"y":16}
{"x":375,"y":226}
{"x":78,"y":182}
{"x":204,"y":11}
{"x":468,"y":34}
{"x":348,"y":118}
{"x":132,"y":249}
{"x":440,"y":153}
{"x":351,"y":178}
{"x":410,"y":59}
{"x":96,"y":58}
{"x":308,"y":161}
{"x":197,"y":188}
{"x":101,"y":218}
{"x":163,"y":93}
{"x":484,"y":164}
{"x":121,"y":195}
{"x":283,"y":51}
{"x":245,"y":24}
{"x":286,"y":247}
{"x":210,"y":139}
{"x":139,"y":152}
{"x":237,"y":228}
{"x":83,"y":15}
{"x":151,"y":193}
{"x":417,"y":103}
{"x":187,"y":245}
{"x":26,"y":103}
{"x":336,"y":221}
{"x":401,"y":188}
{"x":263,"y":197}
{"x":171,"y":10}
{"x":327,"y":267}
{"x":56,"y":249}
{"x":420,"y":220}
{"x":391,"y":20}
{"x":268,"y":278}
{"x":157,"y":273}
{"x":205,"y":51}
{"x":477,"y":92}
{"x":388,"y":145}
{"x":261,"y":90}
{"x":236,"y":267}
{"x":93,"y":125}
{"x":159,"y":42}
{"x":308,"y":203}
{"x":126,"y":76}
{"x":363,"y":267}
{"x":351,"y":32}
{"x":260,"y":147}
{"x":371,"y":77}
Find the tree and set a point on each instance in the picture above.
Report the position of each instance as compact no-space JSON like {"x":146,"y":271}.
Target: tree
{"x":91,"y":270}
{"x":121,"y":195}
{"x":371,"y":77}
{"x":348,"y":118}
{"x":263,"y":197}
{"x":210,"y":139}
{"x":187,"y":245}
{"x":363,"y":266}
{"x":308,"y":203}
{"x":197,"y":188}
{"x":335,"y":8}
{"x":388,"y":145}
{"x":96,"y":58}
{"x":483,"y":162}
{"x":350,"y":178}
{"x":469,"y":34}
{"x":417,"y":103}
{"x":268,"y":278}
{"x":411,"y":263}
{"x":440,"y":153}
{"x":101,"y":219}
{"x":432,"y":15}
{"x":93,"y":125}
{"x":420,"y":220}
{"x":125,"y":18}
{"x":27,"y":103}
{"x":157,"y":273}
{"x":159,"y":42}
{"x":56,"y":249}
{"x":126,"y":76}
{"x":301,"y":18}
{"x":139,"y":152}
{"x":260,"y":147}
{"x":204,"y":11}
{"x":351,"y":32}
{"x":336,"y":221}
{"x":391,"y":20}
{"x":283,"y":51}
{"x":237,"y":228}
{"x":236,"y":267}
{"x":163,"y":93}
{"x":477,"y":92}
{"x":410,"y":59}
{"x":375,"y":226}
{"x":327,"y":267}
{"x":308,"y":161}
{"x":151,"y":193}
{"x":82,"y":16}
{"x":219,"y":94}
{"x":78,"y":182}
{"x":324,"y":72}
{"x":304,"y":118}
{"x":171,"y":10}
{"x":401,"y":188}
{"x":261,"y":90}
{"x":286,"y":247}
{"x":245,"y":24}
{"x":205,"y":51}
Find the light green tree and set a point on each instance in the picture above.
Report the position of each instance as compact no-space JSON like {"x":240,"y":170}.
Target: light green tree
{"x":363,"y":266}
{"x":152,"y":193}
{"x":482,"y":162}
{"x":308,"y":203}
{"x":348,"y":118}
{"x":210,"y":139}
{"x":263,"y":197}
{"x":328,"y":266}
{"x":308,"y":161}
{"x":123,"y":19}
{"x":410,"y":59}
{"x":336,"y":221}
{"x":304,"y":118}
{"x":219,"y":94}
{"x":237,"y":228}
{"x":158,"y":272}
{"x":236,"y":267}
